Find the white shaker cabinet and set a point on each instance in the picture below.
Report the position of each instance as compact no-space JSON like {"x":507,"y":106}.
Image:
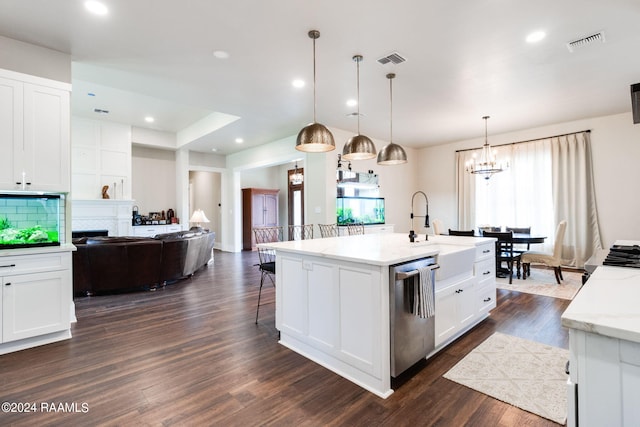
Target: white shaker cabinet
{"x":36,"y":299}
{"x":34,"y":133}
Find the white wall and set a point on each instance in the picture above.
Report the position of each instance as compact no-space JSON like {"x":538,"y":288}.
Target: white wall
{"x":615,"y":142}
{"x":35,"y":60}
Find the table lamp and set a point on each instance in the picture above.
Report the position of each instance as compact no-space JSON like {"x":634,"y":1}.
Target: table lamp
{"x":198,"y":217}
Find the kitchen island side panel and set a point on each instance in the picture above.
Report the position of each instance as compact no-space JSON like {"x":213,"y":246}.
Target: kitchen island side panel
{"x":337,"y":314}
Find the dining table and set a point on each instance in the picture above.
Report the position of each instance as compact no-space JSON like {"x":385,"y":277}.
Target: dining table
{"x":528,"y":238}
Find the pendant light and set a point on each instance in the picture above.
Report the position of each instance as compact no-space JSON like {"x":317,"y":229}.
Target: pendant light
{"x":391,"y":154}
{"x":487,"y":165}
{"x":358,"y":147}
{"x":315,"y":137}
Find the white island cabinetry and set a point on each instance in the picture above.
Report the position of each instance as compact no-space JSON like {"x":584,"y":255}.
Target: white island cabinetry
{"x":36,"y":298}
{"x":333,"y":304}
{"x":604,"y":349}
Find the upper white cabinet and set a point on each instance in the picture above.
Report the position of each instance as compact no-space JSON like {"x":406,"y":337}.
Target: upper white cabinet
{"x":34,"y":133}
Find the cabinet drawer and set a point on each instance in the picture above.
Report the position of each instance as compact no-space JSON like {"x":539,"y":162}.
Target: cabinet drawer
{"x":13,"y":265}
{"x":486,"y":296}
{"x":485,"y":251}
{"x":484,"y":269}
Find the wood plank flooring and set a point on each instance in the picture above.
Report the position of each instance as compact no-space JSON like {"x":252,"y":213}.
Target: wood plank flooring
{"x":190,"y":355}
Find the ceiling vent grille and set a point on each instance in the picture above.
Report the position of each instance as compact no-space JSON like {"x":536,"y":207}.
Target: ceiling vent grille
{"x":576,"y":44}
{"x":393,"y":58}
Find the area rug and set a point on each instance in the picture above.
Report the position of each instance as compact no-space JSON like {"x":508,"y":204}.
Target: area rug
{"x":543,"y":282}
{"x":522,"y":373}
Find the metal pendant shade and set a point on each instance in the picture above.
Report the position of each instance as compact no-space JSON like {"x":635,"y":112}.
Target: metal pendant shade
{"x":358,"y":147}
{"x":315,"y":137}
{"x":391,"y":154}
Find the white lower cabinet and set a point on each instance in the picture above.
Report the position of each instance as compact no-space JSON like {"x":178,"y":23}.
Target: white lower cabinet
{"x":465,"y":300}
{"x":36,"y":300}
{"x":152,"y":230}
{"x":455,"y":309}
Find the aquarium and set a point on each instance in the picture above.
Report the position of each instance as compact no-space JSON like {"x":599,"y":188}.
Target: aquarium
{"x":366,"y":210}
{"x":29,"y":220}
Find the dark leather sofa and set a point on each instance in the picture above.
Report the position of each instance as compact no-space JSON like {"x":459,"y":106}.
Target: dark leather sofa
{"x":117,"y":264}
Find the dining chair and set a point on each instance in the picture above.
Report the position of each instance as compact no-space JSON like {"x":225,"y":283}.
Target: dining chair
{"x":355,"y":228}
{"x":301,"y":232}
{"x":328,"y":230}
{"x":505,"y":252}
{"x":550,"y":260}
{"x":461,"y":232}
{"x":520,"y":230}
{"x":266,"y":257}
{"x":438,"y":227}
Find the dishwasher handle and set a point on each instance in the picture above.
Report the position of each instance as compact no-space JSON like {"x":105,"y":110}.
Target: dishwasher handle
{"x":401,"y":275}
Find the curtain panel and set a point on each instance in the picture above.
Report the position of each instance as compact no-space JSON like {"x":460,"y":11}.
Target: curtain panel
{"x":548,"y":180}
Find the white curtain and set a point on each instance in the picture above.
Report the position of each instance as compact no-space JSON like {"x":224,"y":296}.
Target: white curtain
{"x":574,"y":197}
{"x":520,"y":196}
{"x":547,"y":180}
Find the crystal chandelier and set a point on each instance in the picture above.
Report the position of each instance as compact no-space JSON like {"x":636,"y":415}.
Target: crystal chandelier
{"x":486,"y":165}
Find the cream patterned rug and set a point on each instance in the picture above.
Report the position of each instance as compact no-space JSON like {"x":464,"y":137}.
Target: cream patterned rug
{"x":543,"y":282}
{"x":522,"y":373}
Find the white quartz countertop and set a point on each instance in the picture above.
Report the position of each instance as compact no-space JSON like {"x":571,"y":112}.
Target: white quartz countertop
{"x":608,"y":304}
{"x":65,"y":247}
{"x":378,"y":249}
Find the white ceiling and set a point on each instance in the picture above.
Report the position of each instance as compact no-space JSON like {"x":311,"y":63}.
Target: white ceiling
{"x":464,"y":60}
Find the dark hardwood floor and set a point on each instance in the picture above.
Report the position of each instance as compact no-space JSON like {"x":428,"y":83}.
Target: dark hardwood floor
{"x":190,"y":354}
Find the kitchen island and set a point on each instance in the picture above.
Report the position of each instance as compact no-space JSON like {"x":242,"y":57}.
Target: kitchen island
{"x":604,"y":348}
{"x":333,"y":297}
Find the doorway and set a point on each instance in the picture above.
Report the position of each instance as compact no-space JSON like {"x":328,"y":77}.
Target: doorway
{"x":295,"y":179}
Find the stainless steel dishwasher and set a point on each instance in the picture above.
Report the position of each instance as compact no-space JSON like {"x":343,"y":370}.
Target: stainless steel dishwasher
{"x":412,"y":337}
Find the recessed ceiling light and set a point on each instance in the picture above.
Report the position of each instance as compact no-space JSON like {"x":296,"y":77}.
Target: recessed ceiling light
{"x":96,"y":7}
{"x":149,"y":119}
{"x":221,"y":54}
{"x":298,"y":83}
{"x":239,"y":140}
{"x":536,"y":36}
{"x":352,"y":103}
{"x":214,"y":149}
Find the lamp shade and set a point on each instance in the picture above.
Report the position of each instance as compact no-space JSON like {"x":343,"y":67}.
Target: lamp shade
{"x":359,"y":147}
{"x":198,"y":217}
{"x":392,"y":154}
{"x":315,"y":138}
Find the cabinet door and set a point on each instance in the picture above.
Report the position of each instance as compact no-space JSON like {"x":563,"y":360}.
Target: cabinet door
{"x":446,"y":321}
{"x":257,"y":210}
{"x":270,"y":210}
{"x":35,"y":304}
{"x":46,"y":154}
{"x":11,"y":105}
{"x":466,"y":302}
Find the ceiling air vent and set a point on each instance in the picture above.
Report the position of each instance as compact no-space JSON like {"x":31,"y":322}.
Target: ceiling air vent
{"x":394,"y":58}
{"x":576,"y":44}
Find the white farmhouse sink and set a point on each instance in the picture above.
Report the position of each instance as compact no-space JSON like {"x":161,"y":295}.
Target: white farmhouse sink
{"x":454,"y":261}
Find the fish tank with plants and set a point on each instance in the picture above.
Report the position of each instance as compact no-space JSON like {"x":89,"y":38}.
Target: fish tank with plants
{"x":29,"y":220}
{"x":366,"y":210}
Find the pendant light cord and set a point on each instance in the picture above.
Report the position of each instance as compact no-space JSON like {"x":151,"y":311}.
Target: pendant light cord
{"x":390,"y":107}
{"x":314,"y":78}
{"x":358,"y":58}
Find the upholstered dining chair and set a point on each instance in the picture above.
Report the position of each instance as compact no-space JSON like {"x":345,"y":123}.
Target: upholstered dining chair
{"x":550,"y":260}
{"x":266,"y":257}
{"x":355,"y":228}
{"x":461,"y":232}
{"x":505,"y":252}
{"x":438,"y":228}
{"x":328,"y":230}
{"x":301,"y":232}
